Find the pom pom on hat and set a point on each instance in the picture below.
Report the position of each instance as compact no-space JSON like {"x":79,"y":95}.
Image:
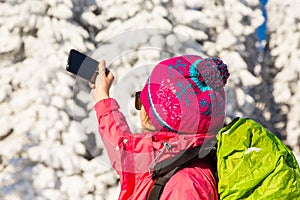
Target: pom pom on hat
{"x":212,"y":72}
{"x":185,"y":94}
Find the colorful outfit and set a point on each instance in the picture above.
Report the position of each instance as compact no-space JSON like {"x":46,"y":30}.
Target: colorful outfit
{"x":185,"y":101}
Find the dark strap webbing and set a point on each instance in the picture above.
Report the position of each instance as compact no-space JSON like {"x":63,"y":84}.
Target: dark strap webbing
{"x":178,"y":160}
{"x":181,"y":158}
{"x":160,"y":183}
{"x":164,"y":170}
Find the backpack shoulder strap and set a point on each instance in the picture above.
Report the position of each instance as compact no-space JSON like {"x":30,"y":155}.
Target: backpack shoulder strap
{"x":160,"y":183}
{"x":180,"y":159}
{"x":163,"y":171}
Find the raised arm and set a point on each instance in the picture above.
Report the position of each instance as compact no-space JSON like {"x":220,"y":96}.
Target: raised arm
{"x":112,"y":124}
{"x":113,"y":130}
{"x":125,"y":150}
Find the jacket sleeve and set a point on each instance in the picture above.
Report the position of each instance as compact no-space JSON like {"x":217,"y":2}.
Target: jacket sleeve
{"x":111,"y":121}
{"x":124,"y":148}
{"x":113,"y":129}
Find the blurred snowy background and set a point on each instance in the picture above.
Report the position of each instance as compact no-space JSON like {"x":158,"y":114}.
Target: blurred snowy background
{"x":48,"y":145}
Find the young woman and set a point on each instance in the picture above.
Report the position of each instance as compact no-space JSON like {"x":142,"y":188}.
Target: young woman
{"x":182,"y":108}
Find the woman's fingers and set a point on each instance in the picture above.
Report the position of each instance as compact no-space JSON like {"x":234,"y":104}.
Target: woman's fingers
{"x":103,"y":83}
{"x":104,"y":78}
{"x":101,"y":67}
{"x":109,"y":74}
{"x":104,"y":71}
{"x":92,"y":85}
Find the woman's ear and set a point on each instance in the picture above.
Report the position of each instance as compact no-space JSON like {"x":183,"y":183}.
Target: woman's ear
{"x":145,"y":121}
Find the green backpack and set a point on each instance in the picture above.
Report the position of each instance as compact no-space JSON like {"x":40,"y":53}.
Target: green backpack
{"x":254,"y":164}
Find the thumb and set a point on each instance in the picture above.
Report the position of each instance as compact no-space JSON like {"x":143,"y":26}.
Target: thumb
{"x":102,"y":66}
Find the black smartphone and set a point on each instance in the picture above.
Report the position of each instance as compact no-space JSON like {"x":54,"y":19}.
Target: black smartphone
{"x":82,"y":65}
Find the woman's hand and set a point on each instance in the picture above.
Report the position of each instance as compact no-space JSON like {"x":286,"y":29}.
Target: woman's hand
{"x":104,"y":80}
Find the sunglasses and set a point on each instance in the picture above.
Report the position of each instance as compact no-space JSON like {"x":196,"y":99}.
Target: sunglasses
{"x":137,"y":101}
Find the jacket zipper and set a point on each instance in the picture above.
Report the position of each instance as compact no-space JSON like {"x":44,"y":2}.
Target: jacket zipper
{"x":152,"y":164}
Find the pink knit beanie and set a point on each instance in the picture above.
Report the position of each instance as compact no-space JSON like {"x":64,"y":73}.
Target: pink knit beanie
{"x":185,"y":94}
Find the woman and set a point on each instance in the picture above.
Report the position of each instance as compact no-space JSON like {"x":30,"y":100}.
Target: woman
{"x":183,"y":107}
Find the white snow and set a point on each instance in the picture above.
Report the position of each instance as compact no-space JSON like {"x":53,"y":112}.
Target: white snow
{"x":47,"y":118}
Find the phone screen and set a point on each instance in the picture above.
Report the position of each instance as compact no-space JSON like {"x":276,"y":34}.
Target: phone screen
{"x":82,"y":65}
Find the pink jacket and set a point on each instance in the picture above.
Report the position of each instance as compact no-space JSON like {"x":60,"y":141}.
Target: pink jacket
{"x":134,"y":155}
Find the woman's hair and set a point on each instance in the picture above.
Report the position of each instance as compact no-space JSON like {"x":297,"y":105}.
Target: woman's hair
{"x":146,"y":122}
